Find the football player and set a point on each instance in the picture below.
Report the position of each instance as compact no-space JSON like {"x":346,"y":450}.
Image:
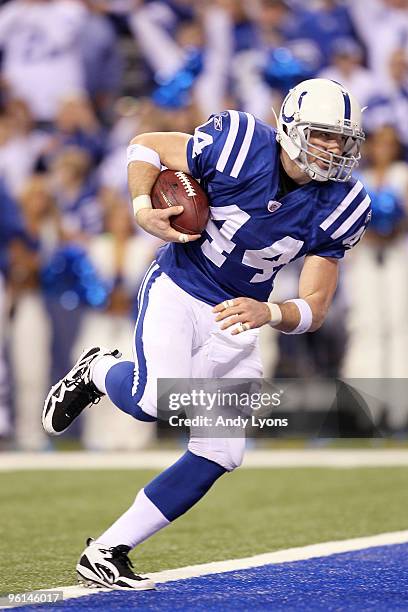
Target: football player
{"x":275,"y":195}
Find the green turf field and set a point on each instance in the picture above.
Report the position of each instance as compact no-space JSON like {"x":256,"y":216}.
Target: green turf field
{"x":46,"y":516}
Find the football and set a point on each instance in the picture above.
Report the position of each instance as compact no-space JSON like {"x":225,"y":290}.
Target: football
{"x":180,"y":189}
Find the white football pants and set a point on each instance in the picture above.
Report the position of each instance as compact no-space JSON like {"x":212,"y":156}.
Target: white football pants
{"x":176,"y":336}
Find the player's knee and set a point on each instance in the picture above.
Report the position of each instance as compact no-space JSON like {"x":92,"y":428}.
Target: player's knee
{"x":140,"y":415}
{"x":119,"y":385}
{"x":134,"y":410}
{"x":148,"y":405}
{"x":227,"y":452}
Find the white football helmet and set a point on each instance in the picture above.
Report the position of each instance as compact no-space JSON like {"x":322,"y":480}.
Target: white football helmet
{"x":326,"y":106}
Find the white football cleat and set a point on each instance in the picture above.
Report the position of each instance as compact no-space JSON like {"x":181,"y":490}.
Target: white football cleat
{"x":101,"y":566}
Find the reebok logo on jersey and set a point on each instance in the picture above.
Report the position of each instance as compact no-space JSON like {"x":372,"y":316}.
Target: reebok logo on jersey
{"x":273,"y":205}
{"x":218,"y":123}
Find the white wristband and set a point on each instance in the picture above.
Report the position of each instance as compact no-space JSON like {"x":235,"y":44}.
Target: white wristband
{"x":276,"y":314}
{"x":306,"y":316}
{"x":137,"y":152}
{"x":142,"y":201}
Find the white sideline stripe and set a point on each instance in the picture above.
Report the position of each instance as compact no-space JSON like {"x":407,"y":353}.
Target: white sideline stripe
{"x":344,"y":227}
{"x":229,"y":143}
{"x":342,"y":206}
{"x":303,"y":458}
{"x":324,"y":549}
{"x":243,"y":152}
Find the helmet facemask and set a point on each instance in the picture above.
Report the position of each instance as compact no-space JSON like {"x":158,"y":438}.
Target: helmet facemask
{"x":339,"y":166}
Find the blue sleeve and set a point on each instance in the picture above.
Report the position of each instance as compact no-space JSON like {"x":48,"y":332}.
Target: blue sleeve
{"x":221,"y":145}
{"x":346,"y":225}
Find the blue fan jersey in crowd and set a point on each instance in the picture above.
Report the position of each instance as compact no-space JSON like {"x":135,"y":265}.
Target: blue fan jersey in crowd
{"x":252,"y":232}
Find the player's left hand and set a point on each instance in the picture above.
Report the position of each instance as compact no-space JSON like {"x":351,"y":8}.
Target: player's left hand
{"x":245,"y":312}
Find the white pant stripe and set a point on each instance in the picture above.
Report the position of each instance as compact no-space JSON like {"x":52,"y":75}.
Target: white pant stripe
{"x":142,"y":290}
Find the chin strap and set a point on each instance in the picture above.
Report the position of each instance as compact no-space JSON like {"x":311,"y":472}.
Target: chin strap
{"x":316,"y":176}
{"x":291,"y":148}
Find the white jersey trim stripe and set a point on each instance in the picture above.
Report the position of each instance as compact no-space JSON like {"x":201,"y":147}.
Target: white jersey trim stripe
{"x":229,"y":143}
{"x":243,"y":152}
{"x":342,"y":206}
{"x":352,"y":218}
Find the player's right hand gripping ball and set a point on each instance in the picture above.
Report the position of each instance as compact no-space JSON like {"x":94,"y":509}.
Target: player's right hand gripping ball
{"x":180,"y":189}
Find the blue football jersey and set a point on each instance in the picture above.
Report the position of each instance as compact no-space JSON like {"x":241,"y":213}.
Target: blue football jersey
{"x":251,"y":235}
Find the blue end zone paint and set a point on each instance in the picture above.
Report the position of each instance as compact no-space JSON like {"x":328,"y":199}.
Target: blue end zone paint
{"x":373,"y":579}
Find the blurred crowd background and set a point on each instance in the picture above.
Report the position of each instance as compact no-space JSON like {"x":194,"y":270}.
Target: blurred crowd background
{"x":79,"y":79}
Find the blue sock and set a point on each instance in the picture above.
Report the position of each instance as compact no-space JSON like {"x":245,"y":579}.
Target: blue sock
{"x":119,"y":384}
{"x":182,"y":485}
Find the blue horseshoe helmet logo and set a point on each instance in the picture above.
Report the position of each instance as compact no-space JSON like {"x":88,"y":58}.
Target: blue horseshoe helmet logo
{"x":291,"y":117}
